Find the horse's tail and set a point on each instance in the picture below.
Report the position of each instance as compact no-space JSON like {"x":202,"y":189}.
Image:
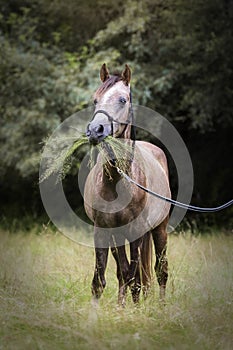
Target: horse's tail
{"x":146,"y":261}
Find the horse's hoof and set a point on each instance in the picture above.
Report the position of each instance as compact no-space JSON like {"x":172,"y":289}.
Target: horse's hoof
{"x":95,"y":302}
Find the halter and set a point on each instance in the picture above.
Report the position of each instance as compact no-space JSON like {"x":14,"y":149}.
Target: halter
{"x":129,"y":120}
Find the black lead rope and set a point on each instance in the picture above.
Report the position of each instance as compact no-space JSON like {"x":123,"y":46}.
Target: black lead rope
{"x":172,"y":201}
{"x":133,"y":138}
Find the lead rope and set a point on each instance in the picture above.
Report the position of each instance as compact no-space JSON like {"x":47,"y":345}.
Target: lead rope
{"x":172,"y":201}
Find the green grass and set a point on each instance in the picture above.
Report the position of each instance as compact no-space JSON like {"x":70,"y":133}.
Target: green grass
{"x":45,"y":298}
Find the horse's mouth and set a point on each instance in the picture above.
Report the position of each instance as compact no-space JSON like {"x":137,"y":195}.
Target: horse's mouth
{"x":94,"y":141}
{"x":105,"y":148}
{"x":95,"y":136}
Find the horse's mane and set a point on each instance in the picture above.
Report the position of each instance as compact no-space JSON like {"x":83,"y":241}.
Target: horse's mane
{"x":107,"y":84}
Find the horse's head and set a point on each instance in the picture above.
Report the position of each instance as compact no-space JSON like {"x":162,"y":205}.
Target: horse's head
{"x":112,"y":107}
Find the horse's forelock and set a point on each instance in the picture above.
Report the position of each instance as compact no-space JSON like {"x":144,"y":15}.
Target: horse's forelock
{"x":111,"y":81}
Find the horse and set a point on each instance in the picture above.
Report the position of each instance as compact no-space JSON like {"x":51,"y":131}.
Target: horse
{"x":141,"y":219}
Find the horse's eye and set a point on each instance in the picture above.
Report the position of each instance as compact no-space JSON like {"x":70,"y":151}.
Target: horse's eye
{"x":122,"y":100}
{"x":95,"y":101}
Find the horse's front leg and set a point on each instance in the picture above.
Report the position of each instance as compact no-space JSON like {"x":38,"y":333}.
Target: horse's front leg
{"x":120,"y":256}
{"x":134,"y":270}
{"x":101,"y":255}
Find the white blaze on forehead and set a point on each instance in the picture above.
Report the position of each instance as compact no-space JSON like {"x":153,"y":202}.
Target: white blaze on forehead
{"x":119,"y":89}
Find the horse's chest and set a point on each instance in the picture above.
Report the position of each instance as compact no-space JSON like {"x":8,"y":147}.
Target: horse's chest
{"x":113,"y":205}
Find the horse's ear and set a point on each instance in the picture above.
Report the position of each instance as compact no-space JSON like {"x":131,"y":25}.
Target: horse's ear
{"x":126,"y":75}
{"x":104,"y":73}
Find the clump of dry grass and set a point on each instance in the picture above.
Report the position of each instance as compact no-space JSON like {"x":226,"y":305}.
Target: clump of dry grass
{"x":58,"y":155}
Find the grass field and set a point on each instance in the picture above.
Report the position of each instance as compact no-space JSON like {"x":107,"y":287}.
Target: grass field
{"x":45,"y":297}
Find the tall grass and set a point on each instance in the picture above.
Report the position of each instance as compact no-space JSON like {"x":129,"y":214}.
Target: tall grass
{"x":45,"y":297}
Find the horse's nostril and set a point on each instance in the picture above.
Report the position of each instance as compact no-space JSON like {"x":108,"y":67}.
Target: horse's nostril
{"x":100,"y":129}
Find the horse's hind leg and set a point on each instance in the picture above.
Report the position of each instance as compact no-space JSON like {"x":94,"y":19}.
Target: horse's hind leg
{"x":146,"y":259}
{"x":101,"y":255}
{"x":159,"y":235}
{"x":120,"y":256}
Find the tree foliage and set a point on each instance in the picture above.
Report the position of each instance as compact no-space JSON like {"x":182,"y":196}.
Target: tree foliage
{"x":51,"y":52}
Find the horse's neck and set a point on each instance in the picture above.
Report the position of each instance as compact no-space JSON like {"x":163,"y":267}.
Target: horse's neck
{"x":110,"y":173}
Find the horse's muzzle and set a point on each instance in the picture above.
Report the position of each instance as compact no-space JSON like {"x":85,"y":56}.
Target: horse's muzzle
{"x":95,"y":134}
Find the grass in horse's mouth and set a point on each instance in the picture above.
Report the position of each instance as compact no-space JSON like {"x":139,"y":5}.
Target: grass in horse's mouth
{"x":59,"y":156}
{"x":117,"y":150}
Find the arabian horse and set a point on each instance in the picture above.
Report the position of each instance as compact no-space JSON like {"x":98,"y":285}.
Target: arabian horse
{"x":121,"y":212}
